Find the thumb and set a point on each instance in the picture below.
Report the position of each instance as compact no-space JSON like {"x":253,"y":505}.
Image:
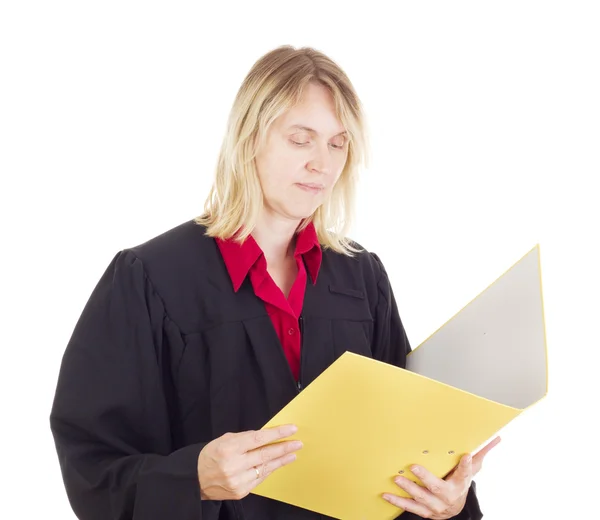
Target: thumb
{"x":480,"y":455}
{"x":464,"y":469}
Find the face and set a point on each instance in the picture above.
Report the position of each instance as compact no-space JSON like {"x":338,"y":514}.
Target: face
{"x":304,"y":154}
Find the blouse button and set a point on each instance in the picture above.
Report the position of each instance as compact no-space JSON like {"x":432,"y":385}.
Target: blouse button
{"x":291,"y":331}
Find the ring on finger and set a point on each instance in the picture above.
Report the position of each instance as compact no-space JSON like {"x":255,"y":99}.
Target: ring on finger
{"x":257,"y":472}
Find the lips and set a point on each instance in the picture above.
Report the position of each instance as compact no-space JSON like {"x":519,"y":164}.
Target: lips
{"x":311,"y":187}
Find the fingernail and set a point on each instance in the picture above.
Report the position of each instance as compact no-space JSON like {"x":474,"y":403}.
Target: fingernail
{"x":387,"y":497}
{"x":289,"y":429}
{"x":468,"y":459}
{"x":416,"y":470}
{"x":296,"y":445}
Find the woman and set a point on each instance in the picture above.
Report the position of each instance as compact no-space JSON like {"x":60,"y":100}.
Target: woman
{"x":193,"y":340}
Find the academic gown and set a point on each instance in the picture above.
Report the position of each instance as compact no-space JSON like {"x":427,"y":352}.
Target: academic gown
{"x":167,"y":357}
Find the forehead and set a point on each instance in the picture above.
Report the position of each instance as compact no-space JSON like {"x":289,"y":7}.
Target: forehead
{"x":314,"y":113}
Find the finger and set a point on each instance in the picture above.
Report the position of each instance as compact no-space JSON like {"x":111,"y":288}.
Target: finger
{"x":421,"y":495}
{"x":254,"y":476}
{"x":253,"y":439}
{"x":409,"y":505}
{"x":464,"y":470}
{"x":434,"y":484}
{"x":480,"y":455}
{"x":264,"y":454}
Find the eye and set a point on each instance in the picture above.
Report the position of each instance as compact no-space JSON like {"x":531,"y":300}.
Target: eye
{"x":304,"y":144}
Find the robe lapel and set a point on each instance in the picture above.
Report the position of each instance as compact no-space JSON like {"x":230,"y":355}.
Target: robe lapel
{"x":275,"y":372}
{"x":278,"y":380}
{"x":317,"y":342}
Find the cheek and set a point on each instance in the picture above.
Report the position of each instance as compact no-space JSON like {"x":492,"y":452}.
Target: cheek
{"x":282,"y":171}
{"x":337,"y":177}
{"x":339,"y":165}
{"x":276,"y":180}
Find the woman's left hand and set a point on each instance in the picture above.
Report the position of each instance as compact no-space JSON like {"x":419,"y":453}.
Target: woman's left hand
{"x":440,"y":499}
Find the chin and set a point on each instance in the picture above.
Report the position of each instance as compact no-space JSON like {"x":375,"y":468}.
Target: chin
{"x":294,"y":209}
{"x":299,"y":213}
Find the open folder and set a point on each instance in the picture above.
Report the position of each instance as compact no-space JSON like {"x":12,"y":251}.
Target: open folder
{"x":363,"y":421}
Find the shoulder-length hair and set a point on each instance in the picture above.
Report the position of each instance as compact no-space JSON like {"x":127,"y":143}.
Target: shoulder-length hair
{"x":273,"y":85}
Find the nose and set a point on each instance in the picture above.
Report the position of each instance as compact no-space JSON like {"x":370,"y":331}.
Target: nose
{"x":321,"y":160}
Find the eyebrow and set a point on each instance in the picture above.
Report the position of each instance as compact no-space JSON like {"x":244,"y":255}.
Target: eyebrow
{"x":312,"y":131}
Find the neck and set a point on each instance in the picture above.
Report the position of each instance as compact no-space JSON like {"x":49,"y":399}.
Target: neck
{"x":275,"y":236}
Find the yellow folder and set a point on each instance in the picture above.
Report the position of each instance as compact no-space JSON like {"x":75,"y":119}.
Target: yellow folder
{"x":363,"y":421}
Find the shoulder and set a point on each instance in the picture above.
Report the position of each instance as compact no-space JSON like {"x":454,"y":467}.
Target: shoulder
{"x":364,"y":269}
{"x":182,"y":249}
{"x":364,"y":261}
{"x":185,"y":235}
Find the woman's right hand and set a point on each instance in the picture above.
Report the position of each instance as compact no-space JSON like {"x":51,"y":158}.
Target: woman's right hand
{"x":230,"y":466}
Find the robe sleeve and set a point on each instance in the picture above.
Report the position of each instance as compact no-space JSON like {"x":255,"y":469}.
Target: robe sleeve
{"x":109,"y":417}
{"x":391,"y":345}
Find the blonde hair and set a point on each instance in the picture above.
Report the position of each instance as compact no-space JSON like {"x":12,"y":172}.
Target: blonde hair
{"x":275,"y":84}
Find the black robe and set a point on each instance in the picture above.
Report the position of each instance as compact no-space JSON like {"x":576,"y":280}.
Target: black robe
{"x":166,"y":357}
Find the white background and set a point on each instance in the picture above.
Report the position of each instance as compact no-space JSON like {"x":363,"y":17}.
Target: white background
{"x":485,"y":132}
